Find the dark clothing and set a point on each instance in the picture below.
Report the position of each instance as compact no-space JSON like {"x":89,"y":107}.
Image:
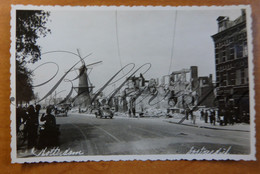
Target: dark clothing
{"x":212,"y":117}
{"x":32,"y":128}
{"x":187,"y":114}
{"x":49,"y":133}
{"x":50,"y":120}
{"x":206,"y":117}
{"x":133,"y":110}
{"x":130,"y":111}
{"x":226,"y":116}
{"x":202,"y":115}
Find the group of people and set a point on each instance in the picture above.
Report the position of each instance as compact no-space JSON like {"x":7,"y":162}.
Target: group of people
{"x":208,"y":114}
{"x":224,"y":116}
{"x":27,"y":121}
{"x":229,"y":116}
{"x":189,"y":112}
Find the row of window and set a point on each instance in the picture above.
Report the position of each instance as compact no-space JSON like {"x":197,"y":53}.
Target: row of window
{"x":239,"y":77}
{"x":225,"y":67}
{"x":242,"y":36}
{"x":230,"y":65}
{"x":238,"y":51}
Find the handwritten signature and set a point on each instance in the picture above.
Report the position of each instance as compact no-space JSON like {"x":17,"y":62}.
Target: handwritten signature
{"x":55,"y":151}
{"x":204,"y":150}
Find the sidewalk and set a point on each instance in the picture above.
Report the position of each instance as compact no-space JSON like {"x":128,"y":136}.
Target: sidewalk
{"x":201,"y":124}
{"x":243,"y":127}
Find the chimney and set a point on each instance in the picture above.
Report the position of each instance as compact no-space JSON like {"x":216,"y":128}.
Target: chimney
{"x":222,"y":23}
{"x":243,"y":12}
{"x":210,"y":78}
{"x":194,"y":76}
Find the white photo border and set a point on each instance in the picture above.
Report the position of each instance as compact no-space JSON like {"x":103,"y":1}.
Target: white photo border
{"x":251,"y":156}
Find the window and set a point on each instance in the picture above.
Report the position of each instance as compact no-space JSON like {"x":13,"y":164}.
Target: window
{"x":242,"y":76}
{"x":239,"y":51}
{"x":223,"y":56}
{"x":238,"y":77}
{"x":231,"y":53}
{"x":228,"y":78}
{"x":231,"y":79}
{"x":223,"y":79}
{"x":245,"y":50}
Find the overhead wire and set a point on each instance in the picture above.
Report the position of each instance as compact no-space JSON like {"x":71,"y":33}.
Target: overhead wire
{"x":173,"y":41}
{"x":117,"y":39}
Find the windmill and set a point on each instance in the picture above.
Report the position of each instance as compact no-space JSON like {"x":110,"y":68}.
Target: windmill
{"x":85,"y":88}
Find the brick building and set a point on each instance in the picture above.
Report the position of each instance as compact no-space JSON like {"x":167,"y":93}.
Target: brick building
{"x":231,"y":58}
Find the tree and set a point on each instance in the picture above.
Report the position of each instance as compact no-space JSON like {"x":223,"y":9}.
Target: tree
{"x":24,"y":90}
{"x":30,"y":25}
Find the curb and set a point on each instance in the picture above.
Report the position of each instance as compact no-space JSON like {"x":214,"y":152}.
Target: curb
{"x":206,"y":127}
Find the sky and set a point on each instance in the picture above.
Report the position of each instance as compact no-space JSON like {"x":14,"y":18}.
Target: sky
{"x":168,"y":39}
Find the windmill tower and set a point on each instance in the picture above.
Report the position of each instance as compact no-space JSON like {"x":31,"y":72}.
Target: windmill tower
{"x":84,"y":88}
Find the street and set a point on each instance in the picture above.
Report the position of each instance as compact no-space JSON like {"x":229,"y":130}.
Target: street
{"x":135,"y":136}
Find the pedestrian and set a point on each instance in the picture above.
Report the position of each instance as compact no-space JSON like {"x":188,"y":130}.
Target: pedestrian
{"x":32,"y":127}
{"x":191,"y":114}
{"x":50,"y":120}
{"x":21,"y":117}
{"x":133,"y":106}
{"x":133,"y":110}
{"x":225,"y":113}
{"x":187,"y":113}
{"x":229,"y":116}
{"x":194,"y":118}
{"x":202,"y":114}
{"x":129,"y":109}
{"x":49,"y":135}
{"x":206,"y":116}
{"x":213,"y":117}
{"x":37,"y":110}
{"x":232,"y":116}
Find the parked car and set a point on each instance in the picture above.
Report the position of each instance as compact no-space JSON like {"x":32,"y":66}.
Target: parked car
{"x":60,"y":112}
{"x":104,"y":112}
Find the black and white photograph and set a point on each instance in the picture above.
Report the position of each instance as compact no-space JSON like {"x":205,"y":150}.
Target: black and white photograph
{"x":131,"y":83}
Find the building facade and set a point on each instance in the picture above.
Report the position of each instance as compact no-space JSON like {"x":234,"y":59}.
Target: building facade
{"x":231,"y":59}
{"x":206,"y":91}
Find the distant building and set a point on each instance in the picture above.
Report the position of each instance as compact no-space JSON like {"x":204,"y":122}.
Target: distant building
{"x":206,"y":91}
{"x":181,"y":85}
{"x":192,"y":89}
{"x":135,"y":83}
{"x":231,"y":58}
{"x":181,"y":89}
